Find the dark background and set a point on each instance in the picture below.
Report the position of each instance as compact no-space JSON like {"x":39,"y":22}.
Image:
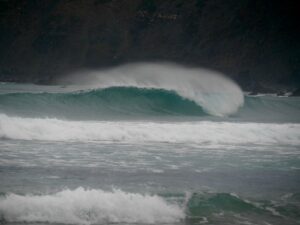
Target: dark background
{"x":256,"y":42}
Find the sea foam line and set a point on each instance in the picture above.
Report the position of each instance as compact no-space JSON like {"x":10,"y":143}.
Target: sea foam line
{"x":201,"y":132}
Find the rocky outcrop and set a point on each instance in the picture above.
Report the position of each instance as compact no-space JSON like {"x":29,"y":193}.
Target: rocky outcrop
{"x":256,"y":42}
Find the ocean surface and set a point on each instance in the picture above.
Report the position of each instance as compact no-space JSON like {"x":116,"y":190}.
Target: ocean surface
{"x":132,"y":146}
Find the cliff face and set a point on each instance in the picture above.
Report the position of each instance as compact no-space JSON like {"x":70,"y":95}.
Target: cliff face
{"x":256,"y":42}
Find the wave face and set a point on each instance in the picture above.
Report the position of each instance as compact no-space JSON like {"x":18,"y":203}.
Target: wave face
{"x":108,"y":103}
{"x":81,"y":206}
{"x":203,"y":132}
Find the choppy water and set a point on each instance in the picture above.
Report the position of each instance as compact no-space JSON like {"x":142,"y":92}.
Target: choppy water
{"x":128,"y":150}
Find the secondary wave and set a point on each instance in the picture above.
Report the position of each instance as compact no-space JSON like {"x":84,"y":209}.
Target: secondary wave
{"x":203,"y":132}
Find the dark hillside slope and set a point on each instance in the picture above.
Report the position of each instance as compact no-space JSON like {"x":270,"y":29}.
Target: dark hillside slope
{"x":256,"y":42}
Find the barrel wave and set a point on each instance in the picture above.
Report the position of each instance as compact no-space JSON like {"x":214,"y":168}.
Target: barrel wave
{"x":215,"y":93}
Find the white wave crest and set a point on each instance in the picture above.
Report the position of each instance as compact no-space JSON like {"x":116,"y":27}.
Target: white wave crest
{"x":216,"y":94}
{"x":81,"y":206}
{"x":201,"y":132}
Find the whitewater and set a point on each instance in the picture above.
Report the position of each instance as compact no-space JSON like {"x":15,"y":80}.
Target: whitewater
{"x":147,"y":143}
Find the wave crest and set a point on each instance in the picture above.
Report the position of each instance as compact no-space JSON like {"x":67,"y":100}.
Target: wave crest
{"x":95,"y":206}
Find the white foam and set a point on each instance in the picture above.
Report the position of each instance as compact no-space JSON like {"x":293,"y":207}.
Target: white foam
{"x":81,"y":206}
{"x":201,"y":132}
{"x":216,"y":94}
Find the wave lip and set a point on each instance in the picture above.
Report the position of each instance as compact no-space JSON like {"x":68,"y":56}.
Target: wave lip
{"x":203,"y":132}
{"x":94,"y":206}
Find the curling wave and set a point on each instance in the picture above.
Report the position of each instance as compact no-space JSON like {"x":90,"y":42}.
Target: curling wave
{"x":216,"y":94}
{"x":128,"y":90}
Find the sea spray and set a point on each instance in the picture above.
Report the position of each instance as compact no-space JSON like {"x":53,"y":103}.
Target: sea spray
{"x":89,"y":206}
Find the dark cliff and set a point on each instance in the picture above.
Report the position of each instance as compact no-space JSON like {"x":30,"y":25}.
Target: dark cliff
{"x":256,"y":42}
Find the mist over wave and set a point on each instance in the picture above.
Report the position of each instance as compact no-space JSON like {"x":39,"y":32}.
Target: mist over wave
{"x":212,"y":91}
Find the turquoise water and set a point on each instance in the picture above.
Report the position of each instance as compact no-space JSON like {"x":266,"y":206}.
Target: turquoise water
{"x":128,"y":103}
{"x":132,"y":155}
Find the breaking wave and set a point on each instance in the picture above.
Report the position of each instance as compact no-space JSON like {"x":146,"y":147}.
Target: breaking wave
{"x":216,"y":94}
{"x":132,"y":89}
{"x":94,"y":206}
{"x":201,"y":132}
